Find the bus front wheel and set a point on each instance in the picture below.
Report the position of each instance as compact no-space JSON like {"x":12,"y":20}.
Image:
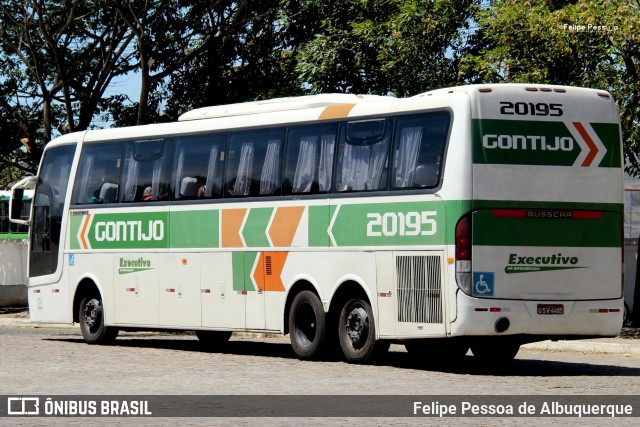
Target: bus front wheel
{"x":92,"y":326}
{"x":307,"y":325}
{"x":357,"y":332}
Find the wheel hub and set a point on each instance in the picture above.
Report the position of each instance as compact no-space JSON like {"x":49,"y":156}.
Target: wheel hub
{"x":358,"y":326}
{"x":91,"y":313}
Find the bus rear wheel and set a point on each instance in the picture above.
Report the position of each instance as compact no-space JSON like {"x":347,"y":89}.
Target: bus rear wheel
{"x":92,"y":326}
{"x":307,"y":325}
{"x":357,"y":332}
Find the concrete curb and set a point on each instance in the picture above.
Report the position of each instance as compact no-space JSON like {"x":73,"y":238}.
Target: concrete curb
{"x":593,"y":347}
{"x":26,"y":323}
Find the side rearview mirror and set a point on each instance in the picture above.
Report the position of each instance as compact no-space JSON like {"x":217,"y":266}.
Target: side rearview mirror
{"x":17,"y":193}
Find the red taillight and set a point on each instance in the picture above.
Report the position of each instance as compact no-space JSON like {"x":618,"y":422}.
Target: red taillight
{"x":463,"y":239}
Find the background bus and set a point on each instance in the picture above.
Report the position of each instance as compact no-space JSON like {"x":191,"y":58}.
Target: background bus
{"x":13,"y":253}
{"x":479,"y":216}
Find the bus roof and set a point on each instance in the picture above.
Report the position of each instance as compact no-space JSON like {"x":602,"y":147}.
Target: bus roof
{"x":279,"y":104}
{"x":307,"y":108}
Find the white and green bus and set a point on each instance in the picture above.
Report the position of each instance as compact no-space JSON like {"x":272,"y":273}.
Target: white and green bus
{"x":8,"y":230}
{"x":477,"y":217}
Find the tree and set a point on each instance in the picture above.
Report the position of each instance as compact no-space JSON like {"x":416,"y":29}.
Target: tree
{"x":245,"y":56}
{"x":591,"y":43}
{"x":378,"y":46}
{"x":58,"y":58}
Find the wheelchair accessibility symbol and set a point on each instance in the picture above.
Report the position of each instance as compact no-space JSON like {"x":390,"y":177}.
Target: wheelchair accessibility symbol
{"x":482,"y":284}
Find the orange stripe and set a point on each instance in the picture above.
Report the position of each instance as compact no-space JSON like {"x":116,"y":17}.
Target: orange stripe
{"x":268,"y":271}
{"x":284,"y":225}
{"x":231,"y":224}
{"x":336,"y":111}
{"x":84,"y":231}
{"x":593,"y":148}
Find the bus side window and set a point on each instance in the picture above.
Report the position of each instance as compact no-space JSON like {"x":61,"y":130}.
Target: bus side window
{"x":254,"y":164}
{"x":199,"y":162}
{"x":147,"y":165}
{"x":419,"y":143}
{"x":309,"y":160}
{"x":363,"y":157}
{"x":98,"y":174}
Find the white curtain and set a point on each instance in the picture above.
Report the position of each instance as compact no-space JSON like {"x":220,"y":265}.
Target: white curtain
{"x":270,"y":179}
{"x":306,"y":165}
{"x":156,"y":178}
{"x":245,"y":170}
{"x":326,"y":162}
{"x":131,"y":178}
{"x":211,"y":171}
{"x":355,"y":167}
{"x":376,"y":164}
{"x":410,"y":140}
{"x":86,"y":173}
{"x":362,"y":166}
{"x":179,"y":169}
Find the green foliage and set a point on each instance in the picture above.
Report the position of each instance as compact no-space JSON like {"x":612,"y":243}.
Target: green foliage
{"x":58,"y":57}
{"x":378,"y":46}
{"x":590,"y":43}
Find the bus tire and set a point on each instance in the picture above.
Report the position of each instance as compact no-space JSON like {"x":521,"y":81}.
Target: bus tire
{"x":92,"y":326}
{"x":357,"y":332}
{"x":494,"y":352}
{"x":213,"y":340}
{"x":307,"y":325}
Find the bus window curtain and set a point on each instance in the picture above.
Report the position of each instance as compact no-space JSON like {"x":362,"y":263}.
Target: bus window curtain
{"x":362,"y":166}
{"x":354,"y":167}
{"x":156,"y":177}
{"x":306,"y":165}
{"x":131,"y":177}
{"x":211,"y":171}
{"x":326,"y":162}
{"x":179,"y":169}
{"x":85,"y":174}
{"x":409,"y":146}
{"x":376,"y":164}
{"x":269,"y":179}
{"x":245,"y":170}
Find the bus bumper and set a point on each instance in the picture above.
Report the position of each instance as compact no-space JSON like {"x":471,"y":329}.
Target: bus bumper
{"x":489,"y":317}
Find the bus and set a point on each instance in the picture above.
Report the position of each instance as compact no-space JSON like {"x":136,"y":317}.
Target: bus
{"x":8,"y":230}
{"x":478,"y":217}
{"x":13,"y":251}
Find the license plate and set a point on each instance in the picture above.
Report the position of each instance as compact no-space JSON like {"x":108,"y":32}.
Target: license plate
{"x":550,"y":309}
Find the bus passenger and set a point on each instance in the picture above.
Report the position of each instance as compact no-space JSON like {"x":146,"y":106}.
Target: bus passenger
{"x":147,"y":195}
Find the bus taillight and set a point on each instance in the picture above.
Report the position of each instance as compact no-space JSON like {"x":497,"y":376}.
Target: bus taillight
{"x":463,"y":253}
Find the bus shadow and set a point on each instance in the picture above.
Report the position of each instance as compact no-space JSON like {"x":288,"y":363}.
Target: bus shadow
{"x":520,"y":367}
{"x":517,"y":368}
{"x":181,"y":342}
